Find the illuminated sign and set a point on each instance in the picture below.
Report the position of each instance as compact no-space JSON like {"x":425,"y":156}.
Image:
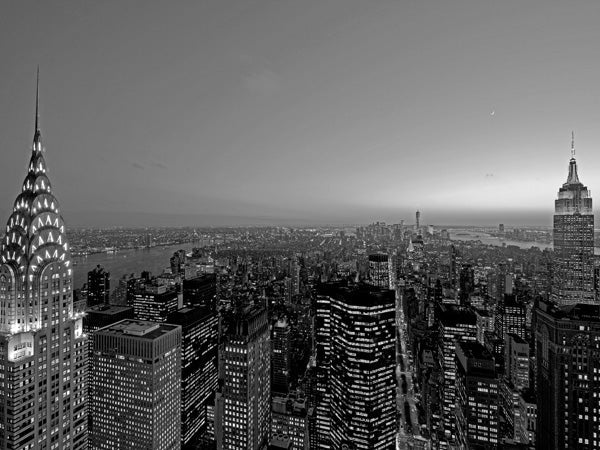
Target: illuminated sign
{"x":20,"y":346}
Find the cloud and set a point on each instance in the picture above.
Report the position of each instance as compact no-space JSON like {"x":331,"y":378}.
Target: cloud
{"x":137,"y":165}
{"x":158,"y":164}
{"x":264,"y":81}
{"x":489,"y":175}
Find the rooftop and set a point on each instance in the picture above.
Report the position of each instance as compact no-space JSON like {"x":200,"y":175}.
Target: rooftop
{"x":138,"y":328}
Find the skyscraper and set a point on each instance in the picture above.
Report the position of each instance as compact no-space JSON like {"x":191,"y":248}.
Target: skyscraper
{"x":199,"y":371}
{"x":573,"y":280}
{"x":362,"y":373}
{"x":98,"y":286}
{"x":152,"y":301}
{"x":322,"y":402}
{"x":243,"y":407}
{"x":137,"y":388}
{"x":457,"y":324}
{"x":477,"y":415}
{"x":280,"y":357}
{"x":567,"y":367}
{"x":43,"y":352}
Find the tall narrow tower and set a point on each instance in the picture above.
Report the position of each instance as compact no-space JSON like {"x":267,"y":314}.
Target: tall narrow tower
{"x":43,"y":361}
{"x":573,"y":280}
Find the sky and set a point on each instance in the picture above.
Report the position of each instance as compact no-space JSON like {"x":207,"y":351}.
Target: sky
{"x":313,"y":112}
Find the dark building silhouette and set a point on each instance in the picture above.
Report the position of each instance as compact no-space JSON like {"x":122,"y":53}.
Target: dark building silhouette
{"x":199,"y":368}
{"x":201,"y":290}
{"x":573,"y":278}
{"x":98,"y":286}
{"x":568,"y":382}
{"x":280,"y":357}
{"x":477,"y":395}
{"x":137,"y":390}
{"x":101,"y":316}
{"x":43,"y":350}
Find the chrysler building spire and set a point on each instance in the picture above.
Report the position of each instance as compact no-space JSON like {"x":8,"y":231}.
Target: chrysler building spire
{"x":37,"y":133}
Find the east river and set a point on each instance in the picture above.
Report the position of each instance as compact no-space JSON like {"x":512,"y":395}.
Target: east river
{"x":124,"y":262}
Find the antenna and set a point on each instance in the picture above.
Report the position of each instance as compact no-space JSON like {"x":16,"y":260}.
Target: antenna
{"x":572,"y":144}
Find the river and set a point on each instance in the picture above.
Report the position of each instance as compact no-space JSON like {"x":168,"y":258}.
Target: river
{"x":123,"y":262}
{"x":485,"y":238}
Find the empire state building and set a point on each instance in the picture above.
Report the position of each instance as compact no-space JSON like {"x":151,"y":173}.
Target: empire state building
{"x":43,"y":358}
{"x":573,"y":279}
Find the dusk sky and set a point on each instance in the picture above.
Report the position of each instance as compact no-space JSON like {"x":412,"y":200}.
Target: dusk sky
{"x":300,"y":112}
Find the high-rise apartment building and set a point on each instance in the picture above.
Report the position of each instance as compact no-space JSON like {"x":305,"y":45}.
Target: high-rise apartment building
{"x":43,"y":351}
{"x":98,"y":286}
{"x":362,"y":372}
{"x":568,"y":381}
{"x":199,"y":368}
{"x":243,"y":406}
{"x":137,"y":389}
{"x":573,"y":279}
{"x":477,"y":393}
{"x":280,"y":357}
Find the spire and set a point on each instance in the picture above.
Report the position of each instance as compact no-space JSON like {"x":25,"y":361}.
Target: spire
{"x":37,"y":132}
{"x":573,"y":178}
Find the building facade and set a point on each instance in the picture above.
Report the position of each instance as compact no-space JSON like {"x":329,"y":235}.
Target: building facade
{"x":43,"y":350}
{"x":199,"y":368}
{"x":137,"y":389}
{"x":243,"y":406}
{"x":568,"y":364}
{"x":573,"y":279}
{"x":363,"y":362}
{"x":477,"y":394}
{"x":280,"y":357}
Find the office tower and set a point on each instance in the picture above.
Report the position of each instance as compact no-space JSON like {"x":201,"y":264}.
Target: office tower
{"x":154,"y":302}
{"x":379,"y":270}
{"x":457,"y":324}
{"x":101,"y":316}
{"x":573,"y":279}
{"x":321,"y":369}
{"x":200,"y":290}
{"x":43,"y":350}
{"x":477,"y":415}
{"x":98,"y":286}
{"x":199,"y":368}
{"x":418,"y":221}
{"x":97,"y":317}
{"x":567,"y":365}
{"x":511,"y":316}
{"x":516,"y":361}
{"x":243,"y":406}
{"x":363,"y":362}
{"x":289,"y":418}
{"x":280,"y":357}
{"x":137,"y":389}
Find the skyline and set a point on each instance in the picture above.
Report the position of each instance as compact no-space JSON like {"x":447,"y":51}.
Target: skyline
{"x":269,"y":113}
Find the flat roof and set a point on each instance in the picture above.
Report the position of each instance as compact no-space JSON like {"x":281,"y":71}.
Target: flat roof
{"x":138,"y":328}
